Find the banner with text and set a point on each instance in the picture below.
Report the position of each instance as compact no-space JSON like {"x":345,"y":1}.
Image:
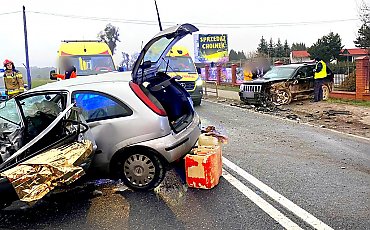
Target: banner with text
{"x":211,"y":48}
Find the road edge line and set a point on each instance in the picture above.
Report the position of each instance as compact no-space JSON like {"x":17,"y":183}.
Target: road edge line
{"x":260,"y":202}
{"x":289,"y":205}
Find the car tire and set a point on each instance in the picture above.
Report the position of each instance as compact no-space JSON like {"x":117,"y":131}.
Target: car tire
{"x":197,"y":102}
{"x":283,"y":97}
{"x":325,"y":92}
{"x":139,"y":169}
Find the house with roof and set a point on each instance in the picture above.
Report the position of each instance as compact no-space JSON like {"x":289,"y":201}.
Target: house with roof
{"x":299,"y":56}
{"x":351,"y":54}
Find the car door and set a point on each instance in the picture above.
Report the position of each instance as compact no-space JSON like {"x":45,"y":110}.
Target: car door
{"x":107,"y":117}
{"x":303,"y":78}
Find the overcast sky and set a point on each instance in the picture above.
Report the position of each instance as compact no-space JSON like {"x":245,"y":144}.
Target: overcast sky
{"x":244,"y":22}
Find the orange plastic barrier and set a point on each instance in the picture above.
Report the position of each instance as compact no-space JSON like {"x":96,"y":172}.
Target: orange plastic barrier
{"x":204,"y":169}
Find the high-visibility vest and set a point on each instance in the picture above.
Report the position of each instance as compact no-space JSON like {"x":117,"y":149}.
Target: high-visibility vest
{"x":322,"y":73}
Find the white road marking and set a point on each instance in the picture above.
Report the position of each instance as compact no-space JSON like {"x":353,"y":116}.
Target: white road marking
{"x":264,"y":205}
{"x":298,"y":211}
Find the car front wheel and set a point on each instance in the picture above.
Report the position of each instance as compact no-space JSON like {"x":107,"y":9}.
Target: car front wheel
{"x":325,"y":92}
{"x":140,"y":169}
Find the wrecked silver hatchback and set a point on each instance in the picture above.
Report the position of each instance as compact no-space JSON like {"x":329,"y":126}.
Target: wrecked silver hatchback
{"x":43,"y":145}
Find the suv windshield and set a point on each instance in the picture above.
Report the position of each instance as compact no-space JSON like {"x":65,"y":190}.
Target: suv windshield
{"x":178,"y":64}
{"x":280,"y":72}
{"x":90,"y":64}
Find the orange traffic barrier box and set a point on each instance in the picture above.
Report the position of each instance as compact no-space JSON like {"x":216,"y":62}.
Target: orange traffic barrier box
{"x":204,"y":168}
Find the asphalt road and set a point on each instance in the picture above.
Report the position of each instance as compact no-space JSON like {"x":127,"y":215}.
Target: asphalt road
{"x":324,"y":175}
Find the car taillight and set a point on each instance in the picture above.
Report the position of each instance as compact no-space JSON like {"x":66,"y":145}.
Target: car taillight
{"x":144,"y":98}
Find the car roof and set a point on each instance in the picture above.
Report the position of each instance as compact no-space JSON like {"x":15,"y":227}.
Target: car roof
{"x":110,"y":77}
{"x":295,"y":65}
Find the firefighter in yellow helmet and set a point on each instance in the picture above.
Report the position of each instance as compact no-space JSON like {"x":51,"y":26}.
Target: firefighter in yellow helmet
{"x":13,"y":80}
{"x":319,"y":77}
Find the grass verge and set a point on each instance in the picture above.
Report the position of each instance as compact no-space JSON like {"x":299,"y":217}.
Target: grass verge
{"x":349,"y":102}
{"x":40,"y":81}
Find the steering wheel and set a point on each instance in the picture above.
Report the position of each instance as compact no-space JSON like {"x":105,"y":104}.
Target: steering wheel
{"x":98,"y":113}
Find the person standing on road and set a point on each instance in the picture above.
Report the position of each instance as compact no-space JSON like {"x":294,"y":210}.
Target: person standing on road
{"x":13,"y":80}
{"x":319,"y":76}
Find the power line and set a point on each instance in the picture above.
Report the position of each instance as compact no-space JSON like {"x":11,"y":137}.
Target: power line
{"x":200,"y":24}
{"x":14,"y":12}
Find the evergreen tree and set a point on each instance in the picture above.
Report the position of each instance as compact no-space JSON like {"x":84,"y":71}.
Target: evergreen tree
{"x":299,"y":46}
{"x":286,"y":49}
{"x":271,"y":48}
{"x":363,"y":34}
{"x":233,"y":56}
{"x":241,"y":55}
{"x":279,"y":49}
{"x":327,"y":48}
{"x":262,"y":47}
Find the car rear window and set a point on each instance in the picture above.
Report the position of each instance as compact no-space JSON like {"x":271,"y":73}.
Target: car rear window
{"x":100,"y":106}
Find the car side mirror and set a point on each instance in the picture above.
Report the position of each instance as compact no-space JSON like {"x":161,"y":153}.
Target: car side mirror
{"x":121,"y":69}
{"x":199,"y":70}
{"x":52,"y":75}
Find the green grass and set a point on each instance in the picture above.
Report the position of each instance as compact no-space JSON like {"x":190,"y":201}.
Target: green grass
{"x":40,"y":81}
{"x":225,"y":87}
{"x":349,"y":102}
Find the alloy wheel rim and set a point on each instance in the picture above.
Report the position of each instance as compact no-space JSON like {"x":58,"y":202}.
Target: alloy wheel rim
{"x":282,"y":97}
{"x":325,"y":93}
{"x":139,"y":170}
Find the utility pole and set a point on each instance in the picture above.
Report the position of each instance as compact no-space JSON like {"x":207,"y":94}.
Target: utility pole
{"x":29,"y":80}
{"x":159,"y":19}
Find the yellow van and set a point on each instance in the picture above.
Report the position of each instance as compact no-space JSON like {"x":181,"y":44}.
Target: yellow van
{"x":179,"y":63}
{"x":89,"y":57}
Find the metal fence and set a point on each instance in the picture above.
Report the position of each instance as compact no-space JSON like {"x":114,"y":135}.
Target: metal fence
{"x":339,"y":78}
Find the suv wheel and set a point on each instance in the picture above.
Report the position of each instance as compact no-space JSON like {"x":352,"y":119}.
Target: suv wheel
{"x":283,"y":97}
{"x":325,"y":92}
{"x":140,"y":169}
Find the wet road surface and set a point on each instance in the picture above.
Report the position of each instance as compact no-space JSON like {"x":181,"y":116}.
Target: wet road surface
{"x":325,"y":174}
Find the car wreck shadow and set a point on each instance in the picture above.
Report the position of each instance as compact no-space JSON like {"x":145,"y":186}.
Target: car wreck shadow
{"x":56,"y":210}
{"x":101,"y":204}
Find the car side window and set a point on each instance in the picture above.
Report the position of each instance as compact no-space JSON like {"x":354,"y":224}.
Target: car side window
{"x":98,"y":106}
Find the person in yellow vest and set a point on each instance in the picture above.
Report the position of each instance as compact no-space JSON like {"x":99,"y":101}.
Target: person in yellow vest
{"x":319,"y":76}
{"x":13,"y":80}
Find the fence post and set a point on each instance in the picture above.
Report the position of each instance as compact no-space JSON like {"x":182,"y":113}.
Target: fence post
{"x":218,"y":79}
{"x":206,"y":68}
{"x":233,"y":74}
{"x":362,"y":76}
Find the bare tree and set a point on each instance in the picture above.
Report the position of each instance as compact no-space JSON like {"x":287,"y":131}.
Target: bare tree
{"x":110,"y":35}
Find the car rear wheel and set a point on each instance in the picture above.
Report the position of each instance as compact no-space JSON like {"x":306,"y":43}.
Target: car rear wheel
{"x":283,"y":97}
{"x":325,"y":92}
{"x":140,"y":169}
